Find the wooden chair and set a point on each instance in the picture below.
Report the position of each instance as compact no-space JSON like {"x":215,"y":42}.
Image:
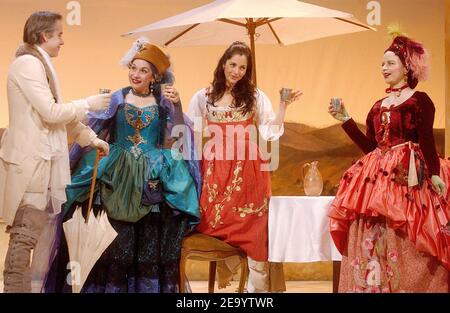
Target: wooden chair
{"x":201,"y":247}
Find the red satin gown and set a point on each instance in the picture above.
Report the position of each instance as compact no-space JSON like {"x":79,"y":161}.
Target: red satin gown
{"x":390,"y":225}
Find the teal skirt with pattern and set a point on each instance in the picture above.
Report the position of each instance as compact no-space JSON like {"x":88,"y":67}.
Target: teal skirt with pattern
{"x":121,"y":178}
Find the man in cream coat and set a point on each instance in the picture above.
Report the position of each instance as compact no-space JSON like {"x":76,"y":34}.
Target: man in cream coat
{"x":34,"y":161}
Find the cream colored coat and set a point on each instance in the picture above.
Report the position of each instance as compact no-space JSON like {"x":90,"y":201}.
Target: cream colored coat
{"x":33,"y":112}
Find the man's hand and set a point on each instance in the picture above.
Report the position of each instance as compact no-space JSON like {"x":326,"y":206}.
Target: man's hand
{"x":101,"y":145}
{"x":99,"y":102}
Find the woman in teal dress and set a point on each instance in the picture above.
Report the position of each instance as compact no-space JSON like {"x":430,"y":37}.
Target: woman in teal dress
{"x":150,"y":224}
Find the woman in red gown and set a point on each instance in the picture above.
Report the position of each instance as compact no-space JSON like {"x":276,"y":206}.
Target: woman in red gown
{"x":390,"y":217}
{"x":236,"y":182}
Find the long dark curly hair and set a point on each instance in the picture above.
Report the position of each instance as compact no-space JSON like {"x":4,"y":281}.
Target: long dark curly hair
{"x":244,"y":91}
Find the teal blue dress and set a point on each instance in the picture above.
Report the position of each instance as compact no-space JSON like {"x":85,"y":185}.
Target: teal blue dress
{"x":134,"y":159}
{"x":144,"y":256}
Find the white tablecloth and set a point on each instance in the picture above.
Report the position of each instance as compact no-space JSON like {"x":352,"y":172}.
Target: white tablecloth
{"x":299,"y":230}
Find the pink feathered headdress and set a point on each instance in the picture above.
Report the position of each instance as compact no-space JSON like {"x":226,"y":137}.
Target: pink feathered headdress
{"x":413,"y":56}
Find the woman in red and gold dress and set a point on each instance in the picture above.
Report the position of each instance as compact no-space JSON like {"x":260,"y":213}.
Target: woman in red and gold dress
{"x":390,"y":217}
{"x":236,"y":182}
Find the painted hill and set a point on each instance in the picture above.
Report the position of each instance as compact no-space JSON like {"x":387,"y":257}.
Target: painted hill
{"x":330,"y":146}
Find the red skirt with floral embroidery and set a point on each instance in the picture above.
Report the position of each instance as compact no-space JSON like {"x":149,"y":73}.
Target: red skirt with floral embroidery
{"x":235,"y":200}
{"x":381,"y":259}
{"x":377,"y":187}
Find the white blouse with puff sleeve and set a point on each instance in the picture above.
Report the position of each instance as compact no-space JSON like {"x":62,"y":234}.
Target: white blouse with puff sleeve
{"x":264,"y":114}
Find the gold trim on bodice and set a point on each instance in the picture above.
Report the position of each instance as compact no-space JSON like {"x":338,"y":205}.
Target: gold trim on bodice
{"x":385,"y":124}
{"x":227,"y":115}
{"x":138,"y":120}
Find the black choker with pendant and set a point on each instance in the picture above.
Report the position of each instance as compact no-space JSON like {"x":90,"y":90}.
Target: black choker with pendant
{"x":141,"y":95}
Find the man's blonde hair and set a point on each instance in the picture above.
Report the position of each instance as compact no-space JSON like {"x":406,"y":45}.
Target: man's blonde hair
{"x":39,"y":23}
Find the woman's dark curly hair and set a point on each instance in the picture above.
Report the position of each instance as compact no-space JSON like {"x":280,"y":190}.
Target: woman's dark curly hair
{"x":244,"y":90}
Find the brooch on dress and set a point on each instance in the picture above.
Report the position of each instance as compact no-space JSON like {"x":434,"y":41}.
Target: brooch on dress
{"x":138,"y":121}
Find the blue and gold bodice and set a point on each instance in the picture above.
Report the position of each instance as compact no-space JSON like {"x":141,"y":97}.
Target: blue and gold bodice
{"x":137,"y":129}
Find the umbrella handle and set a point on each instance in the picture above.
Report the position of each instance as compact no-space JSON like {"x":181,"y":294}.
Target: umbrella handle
{"x":94,"y":178}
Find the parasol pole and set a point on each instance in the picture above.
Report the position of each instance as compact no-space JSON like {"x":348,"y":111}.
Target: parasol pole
{"x":251,"y":26}
{"x":94,"y":177}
